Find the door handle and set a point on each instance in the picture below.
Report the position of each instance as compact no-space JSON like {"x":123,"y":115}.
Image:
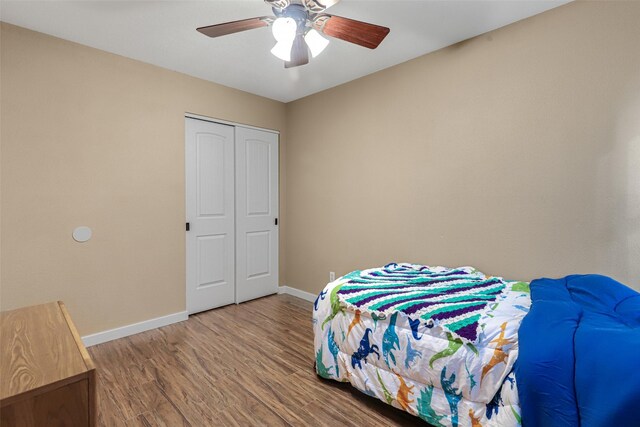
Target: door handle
{"x":188,"y":226}
{"x":276,"y":221}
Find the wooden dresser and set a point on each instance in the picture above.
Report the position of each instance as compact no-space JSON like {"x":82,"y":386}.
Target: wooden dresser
{"x":46,"y":375}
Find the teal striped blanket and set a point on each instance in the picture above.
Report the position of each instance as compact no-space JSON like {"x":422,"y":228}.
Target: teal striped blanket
{"x":454,"y":299}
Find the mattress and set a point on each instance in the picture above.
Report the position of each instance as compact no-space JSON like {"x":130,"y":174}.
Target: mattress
{"x":439,"y":343}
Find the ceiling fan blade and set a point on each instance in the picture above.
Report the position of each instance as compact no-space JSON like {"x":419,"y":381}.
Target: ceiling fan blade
{"x":358,"y":32}
{"x":235,"y":26}
{"x":299,"y":53}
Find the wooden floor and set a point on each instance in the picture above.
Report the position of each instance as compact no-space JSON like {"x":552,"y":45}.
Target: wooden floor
{"x":243,"y":365}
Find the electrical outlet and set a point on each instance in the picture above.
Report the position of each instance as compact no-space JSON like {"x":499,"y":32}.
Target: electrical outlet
{"x":332,"y":276}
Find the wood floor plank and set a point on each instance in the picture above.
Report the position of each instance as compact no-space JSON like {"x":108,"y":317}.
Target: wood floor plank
{"x":247,"y":346}
{"x":194,"y":397}
{"x":148,"y":419}
{"x":240,"y":365}
{"x":326,"y":416}
{"x":126,"y":403}
{"x":237,"y":417}
{"x":108,"y":412}
{"x":268,"y":337}
{"x":155,"y":401}
{"x":268,"y":392}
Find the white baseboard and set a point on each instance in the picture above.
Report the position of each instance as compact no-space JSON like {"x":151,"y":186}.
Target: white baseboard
{"x":307,"y":296}
{"x":158,"y":322}
{"x":135,"y":328}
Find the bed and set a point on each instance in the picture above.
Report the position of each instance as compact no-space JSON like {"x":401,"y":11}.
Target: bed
{"x":442,"y":344}
{"x":439,"y":343}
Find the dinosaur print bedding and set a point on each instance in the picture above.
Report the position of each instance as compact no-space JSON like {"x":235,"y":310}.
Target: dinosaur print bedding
{"x":436,"y":342}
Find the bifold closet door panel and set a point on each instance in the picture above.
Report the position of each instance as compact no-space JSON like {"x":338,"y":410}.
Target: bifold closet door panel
{"x":210,"y":211}
{"x":256,"y":213}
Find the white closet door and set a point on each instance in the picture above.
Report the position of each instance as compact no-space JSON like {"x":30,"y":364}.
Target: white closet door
{"x":210,"y":209}
{"x":256,"y":213}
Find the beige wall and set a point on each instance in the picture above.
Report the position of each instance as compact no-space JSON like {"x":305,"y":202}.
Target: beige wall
{"x":517,"y":152}
{"x":91,"y":138}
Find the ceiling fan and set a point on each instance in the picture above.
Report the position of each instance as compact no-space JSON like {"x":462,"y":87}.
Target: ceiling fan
{"x":297,"y":25}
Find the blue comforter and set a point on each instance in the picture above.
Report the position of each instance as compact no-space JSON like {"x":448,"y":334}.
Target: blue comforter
{"x":579,"y":361}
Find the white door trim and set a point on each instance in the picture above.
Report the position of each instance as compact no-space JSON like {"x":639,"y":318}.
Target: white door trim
{"x":226,"y":122}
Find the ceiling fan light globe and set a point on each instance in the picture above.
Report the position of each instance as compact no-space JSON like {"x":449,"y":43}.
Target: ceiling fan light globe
{"x":284,"y":29}
{"x":282,"y":50}
{"x":316,"y":42}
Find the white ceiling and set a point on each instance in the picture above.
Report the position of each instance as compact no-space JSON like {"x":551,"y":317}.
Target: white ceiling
{"x":163,"y":33}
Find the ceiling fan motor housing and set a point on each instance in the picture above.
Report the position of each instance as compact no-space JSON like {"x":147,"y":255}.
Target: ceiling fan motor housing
{"x":297,"y":12}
